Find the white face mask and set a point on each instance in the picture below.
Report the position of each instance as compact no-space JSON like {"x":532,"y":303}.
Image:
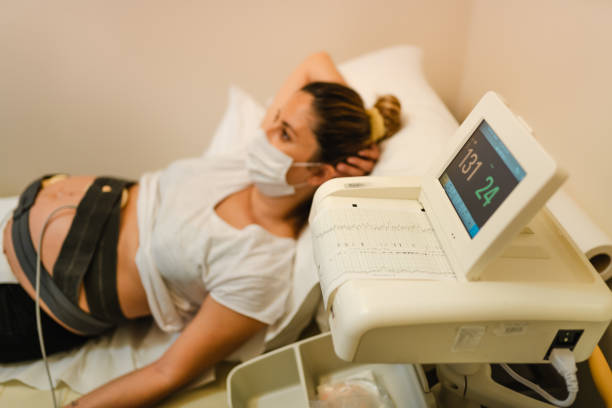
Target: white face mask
{"x":268,"y":167}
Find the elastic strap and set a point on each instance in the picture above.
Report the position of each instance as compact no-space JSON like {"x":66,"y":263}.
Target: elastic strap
{"x":101,"y":278}
{"x":90,"y":249}
{"x":66,"y":311}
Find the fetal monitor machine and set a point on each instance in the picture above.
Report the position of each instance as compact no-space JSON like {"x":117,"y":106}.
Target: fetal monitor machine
{"x":462,"y":265}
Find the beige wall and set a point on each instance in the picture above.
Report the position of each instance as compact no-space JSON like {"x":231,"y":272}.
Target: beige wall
{"x":552,"y":61}
{"x":119,"y":87}
{"x":125,"y":87}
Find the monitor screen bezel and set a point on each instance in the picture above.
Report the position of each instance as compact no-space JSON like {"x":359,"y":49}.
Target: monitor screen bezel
{"x":517,"y":172}
{"x":469,"y":255}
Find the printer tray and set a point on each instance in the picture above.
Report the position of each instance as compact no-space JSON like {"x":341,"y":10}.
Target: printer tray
{"x":289,"y":376}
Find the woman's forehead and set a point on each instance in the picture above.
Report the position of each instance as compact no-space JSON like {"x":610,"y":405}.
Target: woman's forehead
{"x":298,"y":112}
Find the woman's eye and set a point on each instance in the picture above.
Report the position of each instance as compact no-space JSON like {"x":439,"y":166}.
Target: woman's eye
{"x":285,"y":135}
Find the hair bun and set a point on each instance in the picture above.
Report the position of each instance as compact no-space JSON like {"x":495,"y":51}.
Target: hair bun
{"x":377,"y":125}
{"x":390,"y":110}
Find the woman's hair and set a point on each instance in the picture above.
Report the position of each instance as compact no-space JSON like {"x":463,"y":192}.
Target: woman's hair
{"x":343,"y":126}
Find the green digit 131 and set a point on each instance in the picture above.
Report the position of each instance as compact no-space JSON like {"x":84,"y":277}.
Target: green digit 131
{"x":487,"y":192}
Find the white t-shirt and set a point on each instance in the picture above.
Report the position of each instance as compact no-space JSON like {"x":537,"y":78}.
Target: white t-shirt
{"x":187,"y":252}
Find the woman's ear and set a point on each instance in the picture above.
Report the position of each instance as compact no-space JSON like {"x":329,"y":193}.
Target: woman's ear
{"x":321,"y":174}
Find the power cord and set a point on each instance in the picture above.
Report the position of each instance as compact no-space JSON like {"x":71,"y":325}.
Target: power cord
{"x":37,"y":300}
{"x":564,"y":362}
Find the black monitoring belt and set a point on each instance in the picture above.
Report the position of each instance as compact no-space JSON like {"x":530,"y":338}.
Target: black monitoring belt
{"x":88,"y":255}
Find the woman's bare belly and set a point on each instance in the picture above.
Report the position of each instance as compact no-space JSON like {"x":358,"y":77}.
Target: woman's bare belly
{"x":70,"y":191}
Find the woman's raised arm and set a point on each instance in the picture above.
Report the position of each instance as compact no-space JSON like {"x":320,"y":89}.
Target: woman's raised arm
{"x":316,"y":67}
{"x":320,"y":67}
{"x":212,"y":335}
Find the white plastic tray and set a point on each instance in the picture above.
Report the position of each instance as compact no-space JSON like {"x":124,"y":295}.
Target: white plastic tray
{"x":288,"y":377}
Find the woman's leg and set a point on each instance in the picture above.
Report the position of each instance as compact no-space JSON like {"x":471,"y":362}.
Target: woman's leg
{"x":18,"y":333}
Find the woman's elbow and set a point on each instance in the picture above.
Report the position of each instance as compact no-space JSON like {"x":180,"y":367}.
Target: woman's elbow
{"x":320,"y":56}
{"x":169,"y":376}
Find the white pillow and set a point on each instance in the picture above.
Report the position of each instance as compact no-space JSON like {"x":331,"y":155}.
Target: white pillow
{"x":426,"y":122}
{"x":427,"y":125}
{"x":239,"y":122}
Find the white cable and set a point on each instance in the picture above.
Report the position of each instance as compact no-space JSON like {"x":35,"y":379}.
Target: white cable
{"x":565,"y":364}
{"x":37,"y":302}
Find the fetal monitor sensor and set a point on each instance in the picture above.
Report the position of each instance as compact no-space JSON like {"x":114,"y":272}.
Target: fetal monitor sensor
{"x":461,"y":265}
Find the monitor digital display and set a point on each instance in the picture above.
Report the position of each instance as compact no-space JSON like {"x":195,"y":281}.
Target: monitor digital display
{"x":480,"y":178}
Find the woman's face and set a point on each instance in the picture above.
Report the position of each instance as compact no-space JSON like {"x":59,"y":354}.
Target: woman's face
{"x":291,"y":133}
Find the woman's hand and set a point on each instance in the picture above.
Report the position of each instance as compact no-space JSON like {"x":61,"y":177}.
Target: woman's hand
{"x":359,"y":165}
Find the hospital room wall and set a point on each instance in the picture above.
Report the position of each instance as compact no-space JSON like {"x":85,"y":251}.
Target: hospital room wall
{"x":120,"y":88}
{"x":551,"y":60}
